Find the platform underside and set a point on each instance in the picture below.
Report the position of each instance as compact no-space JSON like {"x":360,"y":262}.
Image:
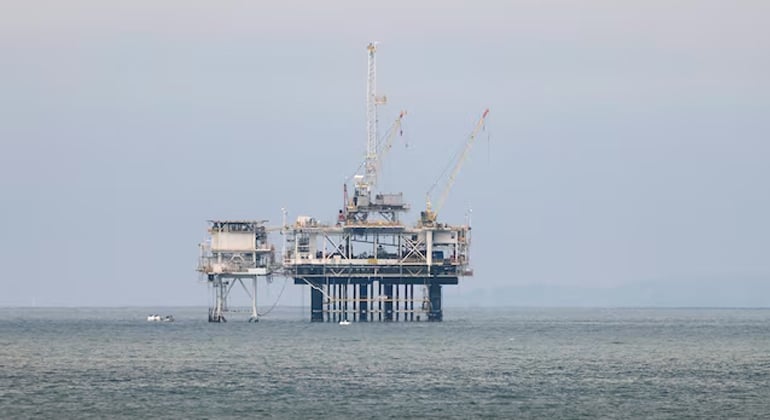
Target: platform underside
{"x":375,"y":298}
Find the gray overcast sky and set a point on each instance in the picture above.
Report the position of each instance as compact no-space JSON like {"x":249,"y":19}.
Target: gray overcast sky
{"x":627,"y":142}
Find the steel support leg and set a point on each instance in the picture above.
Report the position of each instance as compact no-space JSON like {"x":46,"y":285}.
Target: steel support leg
{"x":434,"y":294}
{"x":363,"y":306}
{"x":316,"y":305}
{"x":388,"y":302}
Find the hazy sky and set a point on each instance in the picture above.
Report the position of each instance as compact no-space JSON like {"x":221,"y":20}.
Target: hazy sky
{"x":628,"y":142}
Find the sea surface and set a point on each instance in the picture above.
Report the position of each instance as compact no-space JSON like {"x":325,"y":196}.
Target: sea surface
{"x":478,"y":363}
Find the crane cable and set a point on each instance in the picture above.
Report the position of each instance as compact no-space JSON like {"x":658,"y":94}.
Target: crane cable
{"x":453,"y":161}
{"x":387,"y":134}
{"x":446,"y":168}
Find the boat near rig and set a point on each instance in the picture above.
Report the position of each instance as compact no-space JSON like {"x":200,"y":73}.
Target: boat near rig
{"x":366,"y":266}
{"x":158,"y":318}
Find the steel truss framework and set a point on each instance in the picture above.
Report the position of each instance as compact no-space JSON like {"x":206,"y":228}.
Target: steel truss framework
{"x":221,"y":285}
{"x":368,"y":272}
{"x":236,"y":252}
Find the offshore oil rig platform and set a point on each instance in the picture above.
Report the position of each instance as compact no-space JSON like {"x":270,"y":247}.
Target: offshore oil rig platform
{"x":366,"y":266}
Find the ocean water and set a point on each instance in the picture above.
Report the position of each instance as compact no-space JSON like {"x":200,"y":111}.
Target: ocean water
{"x":478,"y":363}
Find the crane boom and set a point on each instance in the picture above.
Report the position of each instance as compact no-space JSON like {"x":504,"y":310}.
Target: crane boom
{"x":382,"y":148}
{"x":387,"y":144}
{"x":430,"y":214}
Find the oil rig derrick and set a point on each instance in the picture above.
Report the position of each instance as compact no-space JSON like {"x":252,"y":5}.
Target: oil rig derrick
{"x":369,"y":266}
{"x":236,"y":251}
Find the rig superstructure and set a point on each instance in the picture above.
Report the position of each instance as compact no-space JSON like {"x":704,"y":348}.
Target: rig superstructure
{"x":237,"y":251}
{"x":368,"y":265}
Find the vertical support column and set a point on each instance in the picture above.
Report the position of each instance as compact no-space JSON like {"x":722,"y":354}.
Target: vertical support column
{"x":379,"y":301}
{"x":345,"y":302}
{"x":316,"y":305}
{"x":411,"y":302}
{"x":406,"y":303}
{"x":254,"y":317}
{"x":429,"y":248}
{"x":348,"y":248}
{"x":220,"y":306}
{"x":434,"y":294}
{"x":363,"y":305}
{"x":327,"y":301}
{"x":335,"y":298}
{"x":396,"y":301}
{"x":216,"y":314}
{"x":213,"y":309}
{"x":388,"y":302}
